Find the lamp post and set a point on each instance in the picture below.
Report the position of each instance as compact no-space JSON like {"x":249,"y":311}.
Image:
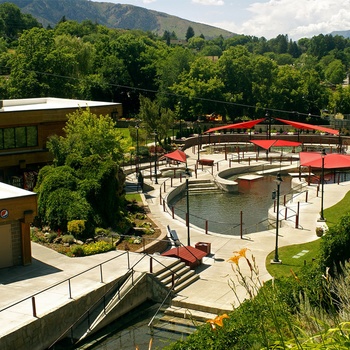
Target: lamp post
{"x":137,"y":146}
{"x":279,"y":180}
{"x":323,"y":155}
{"x":155,"y":159}
{"x":188,"y":174}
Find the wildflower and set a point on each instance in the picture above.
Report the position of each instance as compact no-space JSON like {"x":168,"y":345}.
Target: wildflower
{"x":242,"y":252}
{"x":217,"y":321}
{"x":234,"y":259}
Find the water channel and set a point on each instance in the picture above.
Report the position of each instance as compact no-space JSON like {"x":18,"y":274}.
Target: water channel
{"x":222,"y":210}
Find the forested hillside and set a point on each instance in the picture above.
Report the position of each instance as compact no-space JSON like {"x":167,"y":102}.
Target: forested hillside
{"x":112,"y":15}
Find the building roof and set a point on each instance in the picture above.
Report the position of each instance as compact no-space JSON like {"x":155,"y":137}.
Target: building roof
{"x":30,"y":104}
{"x":8,"y":191}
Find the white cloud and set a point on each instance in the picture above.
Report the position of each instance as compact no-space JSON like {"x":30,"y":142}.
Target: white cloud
{"x":209,"y":2}
{"x":148,"y":1}
{"x":298,"y":19}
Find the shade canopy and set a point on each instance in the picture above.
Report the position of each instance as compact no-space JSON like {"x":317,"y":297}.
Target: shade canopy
{"x":249,"y":124}
{"x":331,"y":161}
{"x":305,"y":126}
{"x":178,"y":155}
{"x":267,"y":144}
{"x":243,"y":125}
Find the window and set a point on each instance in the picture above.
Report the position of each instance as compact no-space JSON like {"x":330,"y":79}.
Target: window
{"x":20,"y":137}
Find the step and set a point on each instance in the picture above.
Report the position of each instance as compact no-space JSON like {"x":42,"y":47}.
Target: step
{"x":170,"y":324}
{"x":178,"y":274}
{"x":192,"y":315}
{"x":180,"y":302}
{"x":168,"y":271}
{"x":184,"y":284}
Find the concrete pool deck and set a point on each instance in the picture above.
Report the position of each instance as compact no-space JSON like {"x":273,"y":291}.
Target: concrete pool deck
{"x":212,"y":290}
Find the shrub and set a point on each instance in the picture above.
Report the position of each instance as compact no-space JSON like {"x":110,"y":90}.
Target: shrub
{"x":68,"y":239}
{"x":76,"y":227}
{"x":51,"y":237}
{"x":97,"y":247}
{"x":77,"y":250}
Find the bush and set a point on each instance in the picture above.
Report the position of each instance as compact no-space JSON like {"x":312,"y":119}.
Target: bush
{"x":77,"y":250}
{"x":51,"y":237}
{"x":76,"y":227}
{"x":68,"y":239}
{"x":97,"y":247}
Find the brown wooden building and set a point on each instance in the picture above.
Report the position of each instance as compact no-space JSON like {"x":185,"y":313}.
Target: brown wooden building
{"x":26,"y":124}
{"x":18,"y":208}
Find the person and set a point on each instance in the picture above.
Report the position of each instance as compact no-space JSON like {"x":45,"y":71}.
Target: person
{"x":140,"y":181}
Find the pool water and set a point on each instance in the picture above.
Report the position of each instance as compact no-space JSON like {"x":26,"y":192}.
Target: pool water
{"x":222,"y":210}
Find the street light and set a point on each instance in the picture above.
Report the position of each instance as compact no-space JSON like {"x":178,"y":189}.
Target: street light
{"x":188,"y":174}
{"x":155,"y":160}
{"x":137,"y":146}
{"x":323,"y":155}
{"x":279,"y":180}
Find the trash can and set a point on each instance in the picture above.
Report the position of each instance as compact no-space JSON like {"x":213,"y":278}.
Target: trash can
{"x":203,"y":246}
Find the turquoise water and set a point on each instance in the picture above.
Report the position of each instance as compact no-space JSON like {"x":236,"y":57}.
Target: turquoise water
{"x":223,"y":210}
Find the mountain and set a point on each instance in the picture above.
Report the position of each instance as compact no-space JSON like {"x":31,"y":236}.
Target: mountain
{"x":344,"y":33}
{"x":50,"y":12}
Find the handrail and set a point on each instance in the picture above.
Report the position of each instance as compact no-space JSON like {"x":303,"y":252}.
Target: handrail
{"x":130,"y":274}
{"x":61,"y":282}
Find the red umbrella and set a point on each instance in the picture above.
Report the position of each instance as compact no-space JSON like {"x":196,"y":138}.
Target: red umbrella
{"x":266,"y":144}
{"x":178,"y":155}
{"x":331,"y":161}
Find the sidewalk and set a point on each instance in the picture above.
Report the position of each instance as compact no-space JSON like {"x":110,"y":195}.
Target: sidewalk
{"x":212,"y":289}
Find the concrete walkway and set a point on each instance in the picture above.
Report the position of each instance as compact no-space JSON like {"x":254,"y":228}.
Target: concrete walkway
{"x":213,"y":289}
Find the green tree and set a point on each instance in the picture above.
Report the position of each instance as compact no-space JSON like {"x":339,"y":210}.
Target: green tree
{"x":154,"y":117}
{"x":189,"y":33}
{"x":85,"y":181}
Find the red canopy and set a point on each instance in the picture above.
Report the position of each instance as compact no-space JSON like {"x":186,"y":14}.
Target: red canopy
{"x":266,"y":144}
{"x":243,"y":125}
{"x":305,"y":126}
{"x":177,"y":155}
{"x":331,"y":161}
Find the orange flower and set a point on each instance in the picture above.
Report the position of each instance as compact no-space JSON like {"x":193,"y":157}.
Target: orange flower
{"x":234,"y":259}
{"x":218,"y":320}
{"x":242,"y":252}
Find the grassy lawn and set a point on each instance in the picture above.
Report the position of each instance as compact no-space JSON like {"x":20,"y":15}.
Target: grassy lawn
{"x":133,"y":197}
{"x":287,"y":254}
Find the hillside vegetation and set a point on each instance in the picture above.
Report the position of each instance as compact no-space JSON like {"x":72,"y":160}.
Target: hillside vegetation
{"x":122,"y":16}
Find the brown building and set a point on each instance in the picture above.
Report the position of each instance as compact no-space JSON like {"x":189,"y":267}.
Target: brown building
{"x":17,"y":210}
{"x":26,"y":124}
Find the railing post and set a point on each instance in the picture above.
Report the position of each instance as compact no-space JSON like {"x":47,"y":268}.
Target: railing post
{"x":248,"y":160}
{"x":171,"y":182}
{"x":160,"y":195}
{"x":164,"y":206}
{"x":285,"y":213}
{"x":206,"y":226}
{"x":274,"y":206}
{"x":127,"y":253}
{"x":318,"y":188}
{"x":180,"y":177}
{"x":70,"y":289}
{"x":241,"y":224}
{"x":164,"y":189}
{"x":284,"y":200}
{"x":217,"y":166}
{"x":172,"y":280}
{"x":101,"y":274}
{"x":306,"y":196}
{"x":34,"y":307}
{"x":173,"y":212}
{"x":297,"y":216}
{"x":150,"y":264}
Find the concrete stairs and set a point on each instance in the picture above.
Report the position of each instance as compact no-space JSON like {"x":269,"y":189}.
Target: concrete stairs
{"x":202,"y":186}
{"x":178,"y":274}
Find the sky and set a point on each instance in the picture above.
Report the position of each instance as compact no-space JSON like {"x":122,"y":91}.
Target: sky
{"x":296,"y":18}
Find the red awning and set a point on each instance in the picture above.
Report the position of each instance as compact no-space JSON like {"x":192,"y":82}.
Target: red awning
{"x":243,"y":125}
{"x":266,"y":144}
{"x":305,"y":126}
{"x":176,"y":155}
{"x":331,"y":161}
